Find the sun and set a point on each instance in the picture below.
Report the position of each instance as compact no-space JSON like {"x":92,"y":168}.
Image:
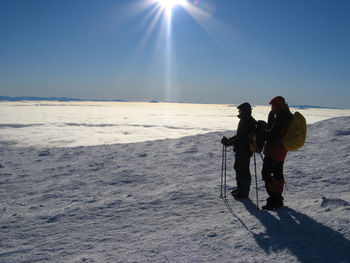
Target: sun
{"x":168,"y":5}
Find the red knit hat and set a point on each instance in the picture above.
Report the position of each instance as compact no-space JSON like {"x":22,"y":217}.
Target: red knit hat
{"x":279,"y":103}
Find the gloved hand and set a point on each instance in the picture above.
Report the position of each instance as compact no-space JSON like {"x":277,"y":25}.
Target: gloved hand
{"x":224,"y":141}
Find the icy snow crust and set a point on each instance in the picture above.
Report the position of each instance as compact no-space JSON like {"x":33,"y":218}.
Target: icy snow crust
{"x":158,"y":201}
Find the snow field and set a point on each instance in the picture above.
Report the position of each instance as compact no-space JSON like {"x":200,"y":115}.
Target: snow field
{"x":158,"y":201}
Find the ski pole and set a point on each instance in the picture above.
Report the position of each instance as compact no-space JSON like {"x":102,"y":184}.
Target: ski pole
{"x":256,"y":184}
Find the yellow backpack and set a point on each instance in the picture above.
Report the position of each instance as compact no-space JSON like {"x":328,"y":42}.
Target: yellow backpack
{"x":296,"y":133}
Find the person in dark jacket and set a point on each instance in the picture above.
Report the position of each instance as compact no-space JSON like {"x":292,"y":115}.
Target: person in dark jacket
{"x":279,"y":120}
{"x":241,"y":144}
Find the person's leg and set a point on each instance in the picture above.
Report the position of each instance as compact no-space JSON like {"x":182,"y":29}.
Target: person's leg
{"x":266,"y":172}
{"x":274,"y":182}
{"x":277,"y":185}
{"x":243,"y":176}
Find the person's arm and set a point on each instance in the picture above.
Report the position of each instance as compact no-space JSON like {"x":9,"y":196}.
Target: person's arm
{"x":270,"y":120}
{"x":279,"y":125}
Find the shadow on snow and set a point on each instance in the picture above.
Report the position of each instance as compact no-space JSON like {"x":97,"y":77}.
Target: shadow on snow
{"x":305,"y":238}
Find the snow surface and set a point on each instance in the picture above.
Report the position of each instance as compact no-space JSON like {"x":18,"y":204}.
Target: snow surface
{"x":158,"y":201}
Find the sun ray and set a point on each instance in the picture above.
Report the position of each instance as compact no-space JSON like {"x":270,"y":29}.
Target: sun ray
{"x":159,"y":13}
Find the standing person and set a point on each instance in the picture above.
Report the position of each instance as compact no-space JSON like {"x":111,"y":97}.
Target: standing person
{"x":240,"y":142}
{"x":279,"y":120}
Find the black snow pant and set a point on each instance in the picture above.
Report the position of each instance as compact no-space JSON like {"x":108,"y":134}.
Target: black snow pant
{"x":272,"y":174}
{"x":243,"y":176}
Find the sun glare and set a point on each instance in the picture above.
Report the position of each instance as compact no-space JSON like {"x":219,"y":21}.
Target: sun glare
{"x":169,"y":4}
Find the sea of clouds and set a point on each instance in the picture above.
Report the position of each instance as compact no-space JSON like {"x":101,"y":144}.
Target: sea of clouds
{"x":84,"y":123}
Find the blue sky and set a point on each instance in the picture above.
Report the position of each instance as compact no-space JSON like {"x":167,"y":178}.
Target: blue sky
{"x":210,"y":51}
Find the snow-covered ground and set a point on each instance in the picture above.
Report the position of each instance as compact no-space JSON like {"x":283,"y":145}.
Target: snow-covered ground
{"x":158,"y":201}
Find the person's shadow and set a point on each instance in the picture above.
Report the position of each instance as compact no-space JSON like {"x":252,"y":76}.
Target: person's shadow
{"x":307,"y":239}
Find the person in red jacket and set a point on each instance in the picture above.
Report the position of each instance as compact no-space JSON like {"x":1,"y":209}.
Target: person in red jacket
{"x":279,"y":120}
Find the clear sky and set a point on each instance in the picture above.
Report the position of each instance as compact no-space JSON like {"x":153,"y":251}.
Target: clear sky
{"x":210,"y":51}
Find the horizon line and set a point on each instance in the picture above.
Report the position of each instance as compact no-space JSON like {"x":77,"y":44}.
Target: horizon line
{"x":68,"y":99}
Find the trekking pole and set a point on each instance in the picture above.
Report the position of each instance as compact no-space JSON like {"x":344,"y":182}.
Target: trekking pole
{"x":256,"y":184}
{"x":262,"y":158}
{"x":223,"y":173}
{"x":222,"y":169}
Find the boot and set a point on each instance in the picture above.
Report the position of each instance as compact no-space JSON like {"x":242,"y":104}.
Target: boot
{"x":273,"y":203}
{"x":234,"y":191}
{"x":268,"y":206}
{"x":240,"y":195}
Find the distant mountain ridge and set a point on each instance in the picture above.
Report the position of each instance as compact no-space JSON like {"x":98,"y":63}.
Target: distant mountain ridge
{"x":305,"y":107}
{"x":62,"y":99}
{"x":33,"y":98}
